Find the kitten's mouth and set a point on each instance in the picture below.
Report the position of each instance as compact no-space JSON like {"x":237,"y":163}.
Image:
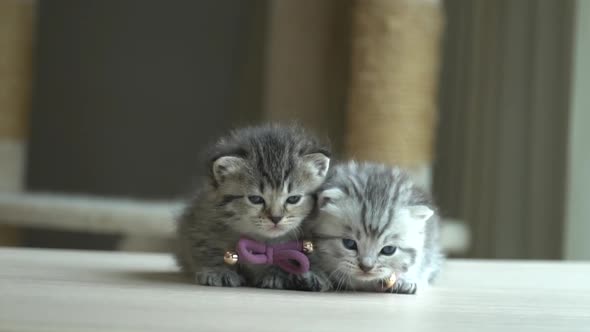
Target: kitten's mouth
{"x":276,"y":230}
{"x":365,"y":276}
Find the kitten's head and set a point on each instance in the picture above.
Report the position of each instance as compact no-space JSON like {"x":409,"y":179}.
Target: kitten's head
{"x":266,"y":177}
{"x":371,"y":223}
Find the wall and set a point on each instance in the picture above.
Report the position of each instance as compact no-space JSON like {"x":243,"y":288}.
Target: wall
{"x":127,"y":93}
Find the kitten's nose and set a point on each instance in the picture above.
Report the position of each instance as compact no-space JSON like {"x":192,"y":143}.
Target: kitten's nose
{"x":276,"y":219}
{"x":366,"y":267}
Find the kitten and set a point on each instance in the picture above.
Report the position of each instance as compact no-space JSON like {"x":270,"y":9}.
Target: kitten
{"x":373,"y":221}
{"x":262,"y":183}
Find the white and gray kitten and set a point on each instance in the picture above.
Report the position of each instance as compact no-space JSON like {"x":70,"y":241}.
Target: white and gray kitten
{"x":372,"y":222}
{"x":262,"y":185}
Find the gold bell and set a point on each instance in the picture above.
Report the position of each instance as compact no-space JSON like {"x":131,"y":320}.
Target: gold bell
{"x":307,"y":247}
{"x":391,"y":281}
{"x":230,"y":257}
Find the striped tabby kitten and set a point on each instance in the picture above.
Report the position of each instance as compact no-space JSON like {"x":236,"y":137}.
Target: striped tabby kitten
{"x":262,"y":183}
{"x":372,"y":222}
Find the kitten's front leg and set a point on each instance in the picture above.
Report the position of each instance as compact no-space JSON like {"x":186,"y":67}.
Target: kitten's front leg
{"x":219,"y":276}
{"x":206,"y":263}
{"x":311,"y":281}
{"x":273,"y":278}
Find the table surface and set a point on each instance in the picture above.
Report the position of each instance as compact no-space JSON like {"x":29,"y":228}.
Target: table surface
{"x":60,"y":290}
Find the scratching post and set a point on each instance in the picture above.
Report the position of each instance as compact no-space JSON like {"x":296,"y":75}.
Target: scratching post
{"x":394,"y":71}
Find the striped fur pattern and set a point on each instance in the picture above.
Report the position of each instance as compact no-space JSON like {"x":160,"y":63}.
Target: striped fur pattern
{"x":262,"y":184}
{"x":375,"y":206}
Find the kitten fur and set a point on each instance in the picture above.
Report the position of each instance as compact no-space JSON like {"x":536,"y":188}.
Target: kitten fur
{"x":272,"y":162}
{"x":376,"y":206}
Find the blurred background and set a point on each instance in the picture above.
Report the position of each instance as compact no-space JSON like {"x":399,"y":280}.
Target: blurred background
{"x":105,"y":107}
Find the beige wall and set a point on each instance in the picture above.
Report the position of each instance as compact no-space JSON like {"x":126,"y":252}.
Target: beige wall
{"x":16,"y":28}
{"x":16,"y":32}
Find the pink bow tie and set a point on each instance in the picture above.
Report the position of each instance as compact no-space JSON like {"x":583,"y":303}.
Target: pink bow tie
{"x":288,"y":256}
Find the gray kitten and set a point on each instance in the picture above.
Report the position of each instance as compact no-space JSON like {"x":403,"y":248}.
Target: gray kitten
{"x":262,"y":184}
{"x":373,"y":221}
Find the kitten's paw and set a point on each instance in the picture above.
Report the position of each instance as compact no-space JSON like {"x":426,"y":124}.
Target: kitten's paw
{"x":274,"y":281}
{"x":310,"y":281}
{"x":221,"y":278}
{"x":402,"y":286}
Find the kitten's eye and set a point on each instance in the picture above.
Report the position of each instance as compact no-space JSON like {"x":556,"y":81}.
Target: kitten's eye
{"x":293,"y":199}
{"x":349,"y":244}
{"x":256,"y":200}
{"x":388,"y":250}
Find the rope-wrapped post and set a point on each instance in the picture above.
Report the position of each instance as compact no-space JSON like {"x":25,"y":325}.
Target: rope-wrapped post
{"x":395,"y":59}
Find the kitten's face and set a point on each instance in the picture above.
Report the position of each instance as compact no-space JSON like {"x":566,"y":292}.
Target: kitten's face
{"x":257,"y":206}
{"x":365,"y":239}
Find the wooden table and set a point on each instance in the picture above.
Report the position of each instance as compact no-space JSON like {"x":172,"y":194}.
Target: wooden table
{"x":58,"y":290}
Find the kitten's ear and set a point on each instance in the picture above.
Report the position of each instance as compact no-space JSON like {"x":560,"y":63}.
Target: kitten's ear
{"x":328,"y":196}
{"x":420,"y":213}
{"x":317,"y":164}
{"x":227,"y":166}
